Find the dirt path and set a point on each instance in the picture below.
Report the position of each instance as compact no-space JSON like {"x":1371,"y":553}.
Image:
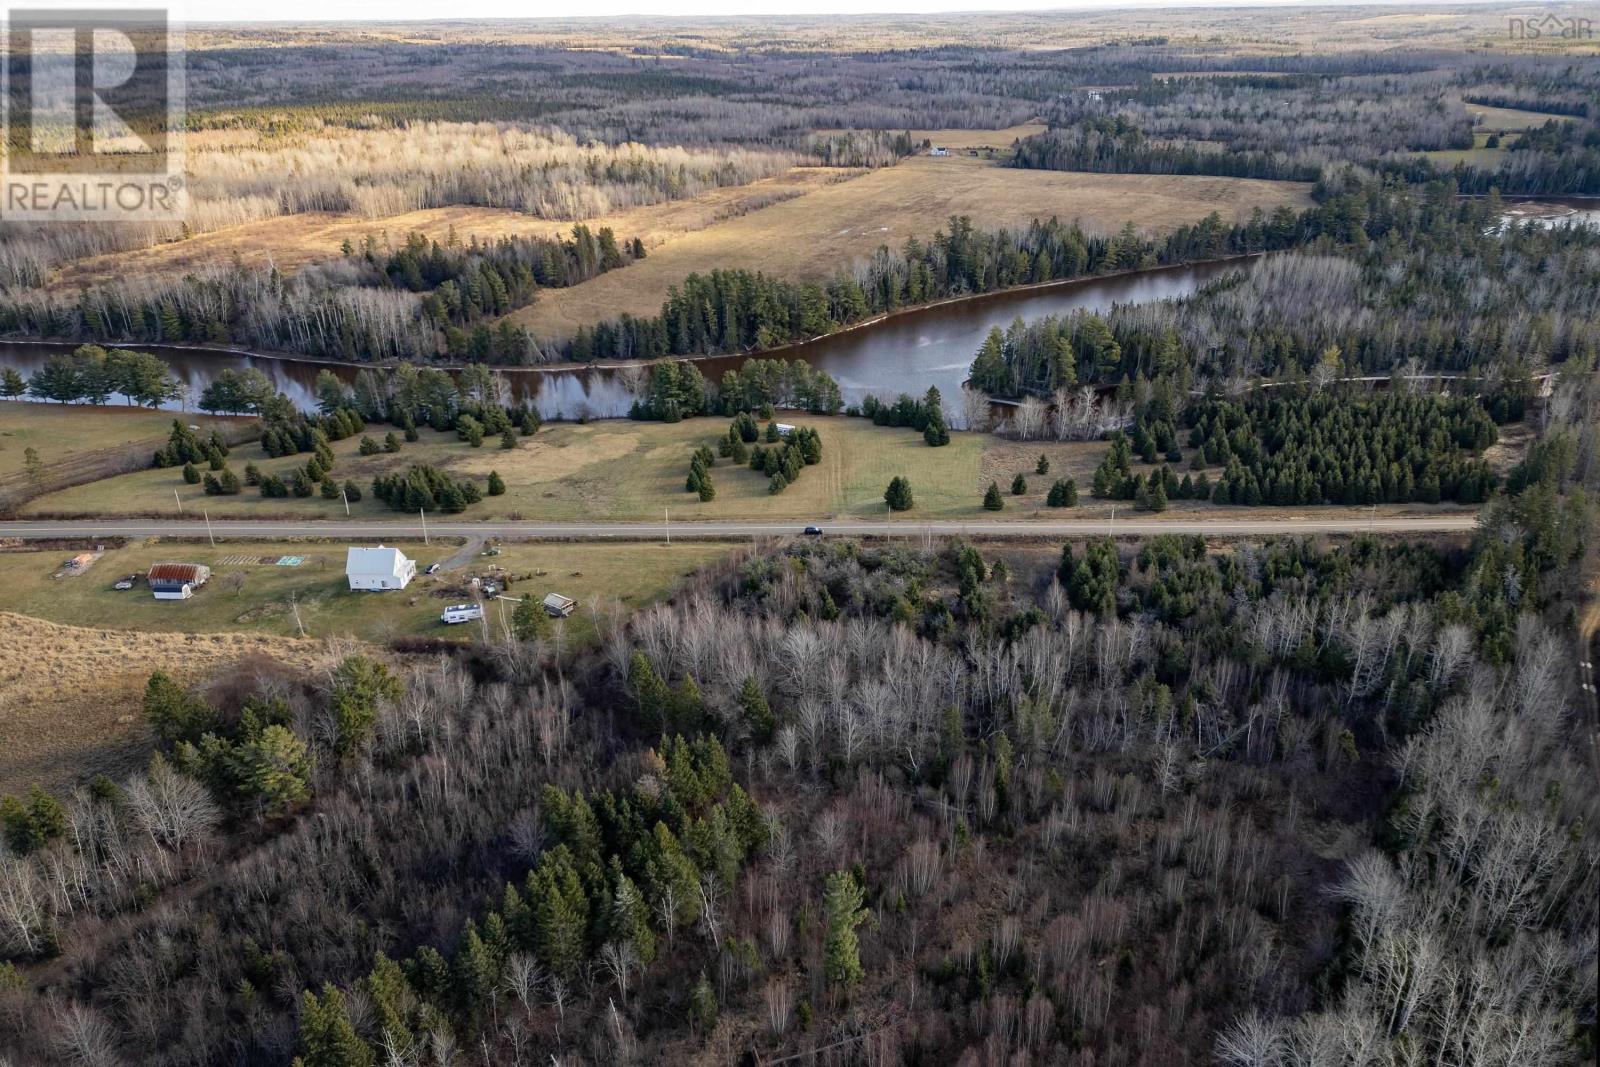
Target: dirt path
{"x":463,"y":555}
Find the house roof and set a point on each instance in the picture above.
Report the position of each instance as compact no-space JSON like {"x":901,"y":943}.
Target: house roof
{"x":380,"y":560}
{"x":177,"y":572}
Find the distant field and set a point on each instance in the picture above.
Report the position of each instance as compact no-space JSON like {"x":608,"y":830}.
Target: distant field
{"x":1506,"y":118}
{"x":965,"y":139}
{"x":77,"y":442}
{"x":813,"y":235}
{"x":71,"y":707}
{"x":293,"y":241}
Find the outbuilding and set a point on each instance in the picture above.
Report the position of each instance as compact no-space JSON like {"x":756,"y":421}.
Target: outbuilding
{"x":378,"y":568}
{"x":558,"y":606}
{"x":177,"y":581}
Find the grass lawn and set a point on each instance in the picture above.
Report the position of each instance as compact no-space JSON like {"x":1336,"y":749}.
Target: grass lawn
{"x":266,"y":596}
{"x":77,"y":441}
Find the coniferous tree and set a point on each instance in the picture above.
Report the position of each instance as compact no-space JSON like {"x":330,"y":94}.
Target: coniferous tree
{"x":327,"y":1038}
{"x":898,"y":495}
{"x":843,"y":911}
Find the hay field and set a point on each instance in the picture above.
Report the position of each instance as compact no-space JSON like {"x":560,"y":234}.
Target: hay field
{"x":70,"y":707}
{"x":291,"y":242}
{"x":813,"y":235}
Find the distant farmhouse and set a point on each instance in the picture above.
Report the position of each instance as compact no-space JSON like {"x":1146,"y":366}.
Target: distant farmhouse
{"x":378,"y":568}
{"x":177,"y":581}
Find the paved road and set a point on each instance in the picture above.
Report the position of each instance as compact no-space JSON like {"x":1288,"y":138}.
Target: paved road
{"x":650,"y":531}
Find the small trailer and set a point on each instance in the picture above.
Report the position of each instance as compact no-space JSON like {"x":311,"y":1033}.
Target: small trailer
{"x":458,"y":613}
{"x":558,"y":606}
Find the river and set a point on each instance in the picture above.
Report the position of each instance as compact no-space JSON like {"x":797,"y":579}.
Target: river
{"x":906,"y":352}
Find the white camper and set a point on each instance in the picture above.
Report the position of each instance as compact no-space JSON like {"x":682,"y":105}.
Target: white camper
{"x":457,"y":613}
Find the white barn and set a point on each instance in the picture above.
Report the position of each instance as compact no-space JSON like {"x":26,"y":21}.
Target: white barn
{"x":378,"y":568}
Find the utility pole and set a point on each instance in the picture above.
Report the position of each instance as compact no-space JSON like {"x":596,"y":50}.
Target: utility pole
{"x":179,"y":500}
{"x":424,"y":513}
{"x":346,"y":498}
{"x":209,"y":534}
{"x":1113,"y":528}
{"x":667,"y":514}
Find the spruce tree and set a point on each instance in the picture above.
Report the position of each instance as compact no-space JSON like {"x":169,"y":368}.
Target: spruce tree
{"x":898,"y":495}
{"x":992,"y":500}
{"x":530,"y":621}
{"x":843,"y":911}
{"x":327,"y":1038}
{"x":757,"y":712}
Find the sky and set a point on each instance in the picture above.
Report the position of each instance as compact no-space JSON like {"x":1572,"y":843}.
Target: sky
{"x":199,"y":11}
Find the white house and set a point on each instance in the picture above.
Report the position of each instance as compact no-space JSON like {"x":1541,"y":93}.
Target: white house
{"x":378,"y":568}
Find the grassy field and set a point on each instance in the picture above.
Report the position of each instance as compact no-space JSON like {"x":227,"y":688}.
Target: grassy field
{"x":813,"y":235}
{"x":622,"y":471}
{"x":76,"y":442}
{"x":1508,"y":118}
{"x":247,"y":596}
{"x":69,"y":709}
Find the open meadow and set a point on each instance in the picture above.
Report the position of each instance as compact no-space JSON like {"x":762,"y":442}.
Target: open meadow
{"x":811,"y":236}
